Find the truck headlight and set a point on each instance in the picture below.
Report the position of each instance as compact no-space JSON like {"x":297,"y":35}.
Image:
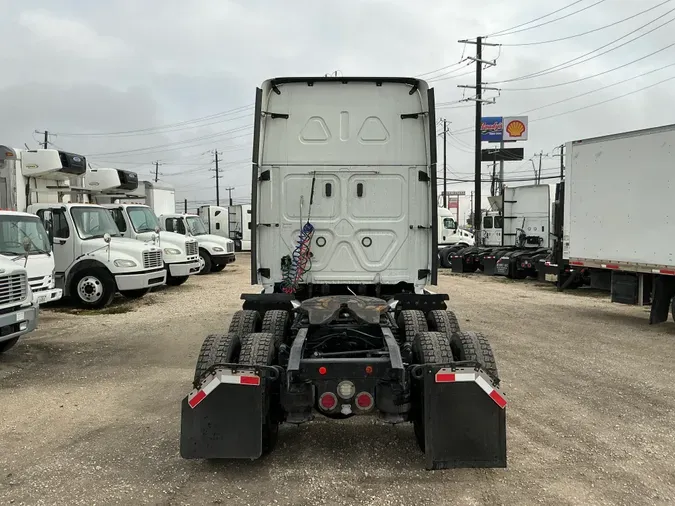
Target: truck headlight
{"x":171,"y":251}
{"x":218,"y":248}
{"x":125,"y":263}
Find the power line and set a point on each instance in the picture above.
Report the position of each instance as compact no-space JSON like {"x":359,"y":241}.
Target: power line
{"x":565,"y":65}
{"x":534,"y":20}
{"x":594,"y":75}
{"x":550,"y":41}
{"x":552,"y":20}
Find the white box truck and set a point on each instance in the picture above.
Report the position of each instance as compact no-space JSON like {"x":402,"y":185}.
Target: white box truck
{"x":92,"y":260}
{"x":616,"y":185}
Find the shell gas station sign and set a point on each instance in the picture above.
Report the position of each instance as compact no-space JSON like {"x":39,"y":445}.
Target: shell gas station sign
{"x":506,"y":129}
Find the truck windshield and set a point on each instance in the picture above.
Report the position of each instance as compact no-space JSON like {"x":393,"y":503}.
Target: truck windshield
{"x":143,"y":219}
{"x":92,"y":222}
{"x":14,"y":229}
{"x":196,"y":225}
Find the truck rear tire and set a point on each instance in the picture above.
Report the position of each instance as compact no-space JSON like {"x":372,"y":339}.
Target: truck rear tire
{"x":443,"y":321}
{"x":93,"y":288}
{"x":428,"y":348}
{"x":277,"y":323}
{"x":410,"y":323}
{"x":205,"y":263}
{"x":6,"y":345}
{"x":259,"y":349}
{"x":444,"y":257}
{"x":475,"y":347}
{"x":245,"y":322}
{"x":216,"y":349}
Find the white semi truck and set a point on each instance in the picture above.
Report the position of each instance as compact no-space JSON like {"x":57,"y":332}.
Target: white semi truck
{"x":240,"y":226}
{"x":614,"y":185}
{"x":92,"y":260}
{"x":215,"y":252}
{"x":344,"y":232}
{"x":114,"y":189}
{"x":19,"y":310}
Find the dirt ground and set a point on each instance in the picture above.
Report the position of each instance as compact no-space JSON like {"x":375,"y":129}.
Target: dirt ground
{"x":91,"y":409}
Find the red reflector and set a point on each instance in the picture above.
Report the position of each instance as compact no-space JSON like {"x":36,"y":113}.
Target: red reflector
{"x":197,"y":399}
{"x":322,"y":370}
{"x":664,"y":271}
{"x":612,"y":266}
{"x":250,"y":380}
{"x":576,"y":263}
{"x":364,"y":400}
{"x":369,"y":369}
{"x":501,"y":402}
{"x":328,"y":401}
{"x":445,"y":377}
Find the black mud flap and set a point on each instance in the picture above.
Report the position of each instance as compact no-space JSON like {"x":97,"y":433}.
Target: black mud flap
{"x":224,"y":417}
{"x":464,"y":419}
{"x":489,"y":265}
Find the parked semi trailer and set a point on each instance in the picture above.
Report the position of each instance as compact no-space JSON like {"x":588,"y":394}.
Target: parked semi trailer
{"x":614,"y":184}
{"x":344,"y":239}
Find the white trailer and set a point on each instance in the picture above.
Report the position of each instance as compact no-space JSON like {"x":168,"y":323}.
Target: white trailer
{"x":92,"y":260}
{"x":216,"y":219}
{"x":240,"y":226}
{"x":617,"y":184}
{"x":114,"y":189}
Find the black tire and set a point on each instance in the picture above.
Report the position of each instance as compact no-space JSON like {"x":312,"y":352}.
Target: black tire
{"x":135,"y":294}
{"x":99,"y":281}
{"x":428,"y":348}
{"x":672,"y":309}
{"x":206,"y":259}
{"x":217,"y":268}
{"x":475,"y":347}
{"x":444,"y":257}
{"x":176,"y":280}
{"x":443,"y":321}
{"x":410,"y":323}
{"x":278,"y":323}
{"x":259,"y":349}
{"x":216,"y":349}
{"x":245,"y":322}
{"x":6,"y":345}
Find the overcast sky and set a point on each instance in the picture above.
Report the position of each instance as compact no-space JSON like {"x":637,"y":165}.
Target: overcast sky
{"x":84,"y":67}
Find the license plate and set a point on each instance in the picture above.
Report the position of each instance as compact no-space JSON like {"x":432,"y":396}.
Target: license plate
{"x":551,"y":278}
{"x":41,"y":299}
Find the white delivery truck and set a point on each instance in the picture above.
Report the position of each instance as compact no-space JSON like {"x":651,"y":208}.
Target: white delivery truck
{"x":92,"y":260}
{"x":615,"y":185}
{"x":215,"y":252}
{"x":114,"y":189}
{"x":18,"y":308}
{"x":240,"y":226}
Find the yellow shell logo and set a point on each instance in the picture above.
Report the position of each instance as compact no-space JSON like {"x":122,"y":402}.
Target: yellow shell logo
{"x":515,"y":128}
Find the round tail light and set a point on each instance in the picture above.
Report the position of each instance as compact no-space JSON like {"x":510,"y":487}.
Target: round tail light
{"x":364,"y":401}
{"x":328,"y":401}
{"x":346,"y":389}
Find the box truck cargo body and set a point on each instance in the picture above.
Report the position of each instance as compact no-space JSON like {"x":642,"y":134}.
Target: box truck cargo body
{"x":618,"y":185}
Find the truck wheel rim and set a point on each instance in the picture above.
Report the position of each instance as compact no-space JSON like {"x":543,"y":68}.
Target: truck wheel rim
{"x":90,"y":289}
{"x":202,"y":263}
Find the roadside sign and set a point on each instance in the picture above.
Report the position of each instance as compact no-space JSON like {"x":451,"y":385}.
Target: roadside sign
{"x":502,"y":155}
{"x":515,"y":128}
{"x":491,"y":129}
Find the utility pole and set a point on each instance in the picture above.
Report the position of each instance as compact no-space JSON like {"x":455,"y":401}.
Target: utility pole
{"x":471,"y":211}
{"x":445,"y":163}
{"x":218,"y":176}
{"x":562,"y":162}
{"x":541,"y":153}
{"x":156,"y":171}
{"x":185,"y":206}
{"x":229,"y":190}
{"x":479,"y":113}
{"x":45,"y":143}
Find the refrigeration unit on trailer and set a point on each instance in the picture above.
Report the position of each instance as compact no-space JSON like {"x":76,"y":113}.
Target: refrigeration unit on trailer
{"x":240,"y":226}
{"x":92,"y":261}
{"x":344,"y":242}
{"x":615,"y":185}
{"x":135,"y":220}
{"x":215,"y":252}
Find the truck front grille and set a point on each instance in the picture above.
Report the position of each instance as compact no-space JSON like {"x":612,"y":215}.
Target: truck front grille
{"x":152,"y":259}
{"x":192,"y":248}
{"x":13,"y":288}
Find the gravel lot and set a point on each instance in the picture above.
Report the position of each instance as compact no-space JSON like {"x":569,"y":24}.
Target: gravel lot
{"x":91,"y":409}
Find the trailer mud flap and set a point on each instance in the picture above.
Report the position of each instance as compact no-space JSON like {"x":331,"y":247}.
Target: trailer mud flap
{"x":464,"y":419}
{"x":224,"y":418}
